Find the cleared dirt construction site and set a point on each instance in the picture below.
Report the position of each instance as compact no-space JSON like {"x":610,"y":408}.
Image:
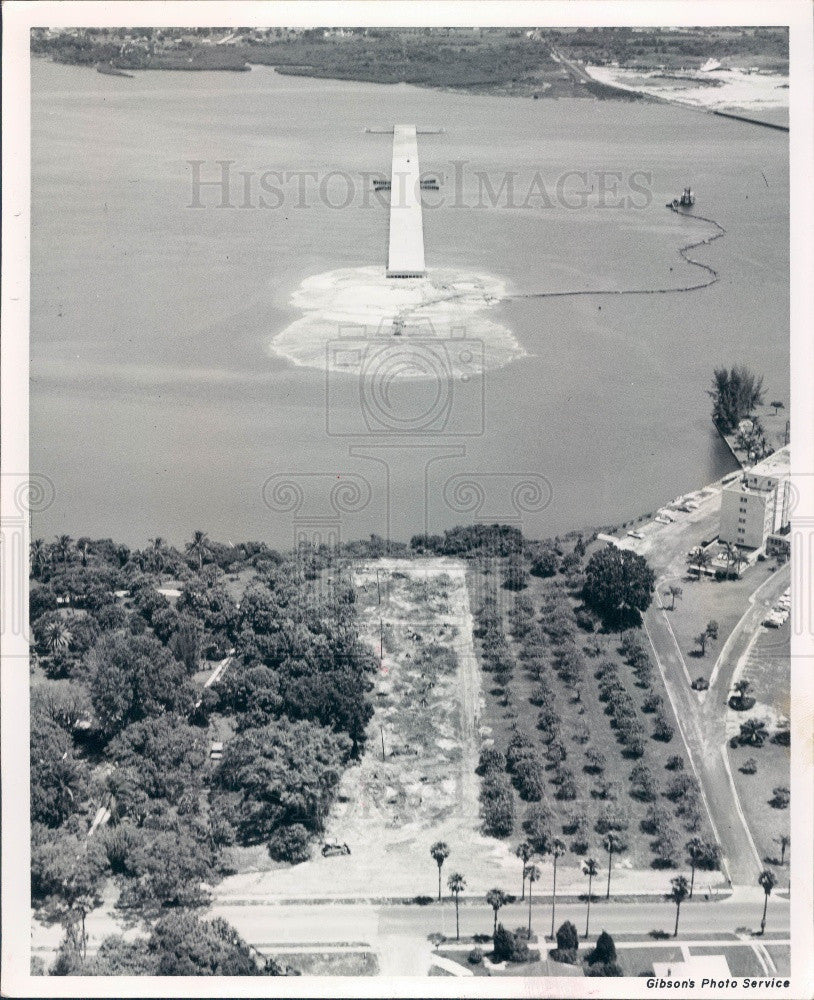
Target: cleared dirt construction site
{"x":416,"y":781}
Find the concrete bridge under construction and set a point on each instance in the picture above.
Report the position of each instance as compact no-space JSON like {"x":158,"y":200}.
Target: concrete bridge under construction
{"x":405,"y":253}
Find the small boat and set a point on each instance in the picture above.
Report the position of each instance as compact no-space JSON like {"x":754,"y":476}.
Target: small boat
{"x":109,"y":70}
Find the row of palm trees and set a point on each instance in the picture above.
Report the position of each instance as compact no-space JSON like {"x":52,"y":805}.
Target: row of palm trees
{"x":700,"y":558}
{"x":63,"y":549}
{"x":681,"y":888}
{"x":497,"y":898}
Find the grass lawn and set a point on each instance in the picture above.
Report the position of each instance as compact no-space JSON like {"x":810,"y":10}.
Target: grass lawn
{"x":639,"y":961}
{"x":723,"y":601}
{"x":460,"y":957}
{"x":741,"y":959}
{"x":584,"y":724}
{"x":781,"y":955}
{"x":767,"y":670}
{"x":331,"y":963}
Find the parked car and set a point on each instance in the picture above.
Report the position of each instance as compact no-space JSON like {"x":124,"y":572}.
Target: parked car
{"x":772,"y":622}
{"x":663,"y":520}
{"x":636,"y":534}
{"x":332,"y":850}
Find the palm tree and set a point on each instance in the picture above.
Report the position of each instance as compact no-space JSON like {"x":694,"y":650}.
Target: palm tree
{"x":199,"y":546}
{"x":699,"y":558}
{"x":533,"y":875}
{"x":39,"y":555}
{"x":524,"y":851}
{"x":57,"y":637}
{"x":457,"y":884}
{"x":785,"y":841}
{"x":611,"y":843}
{"x":694,"y":847}
{"x":440,"y":852}
{"x":556,"y":850}
{"x":767,"y":881}
{"x":496,"y":898}
{"x":83,"y":548}
{"x":157,"y":548}
{"x":674,"y":591}
{"x":64,"y":547}
{"x":589,"y":868}
{"x":754,"y":732}
{"x":679,"y":890}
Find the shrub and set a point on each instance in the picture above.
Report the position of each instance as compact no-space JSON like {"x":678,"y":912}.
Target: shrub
{"x":611,"y":818}
{"x":665,"y":847}
{"x":652,"y":702}
{"x":529,"y":778}
{"x":520,"y":745}
{"x":515,"y":574}
{"x":509,"y":947}
{"x":290,"y":843}
{"x":634,"y":748}
{"x":749,"y":766}
{"x":475,"y":957}
{"x":780,"y":798}
{"x":707,"y":856}
{"x":662,"y":730}
{"x":423,"y":900}
{"x":603,"y":952}
{"x":497,"y":804}
{"x":491,"y":759}
{"x":596,"y":760}
{"x":567,"y":790}
{"x":604,"y":969}
{"x":679,"y":787}
{"x":539,"y":826}
{"x":675,"y":763}
{"x":567,"y":943}
{"x":656,"y":818}
{"x":545,"y":564}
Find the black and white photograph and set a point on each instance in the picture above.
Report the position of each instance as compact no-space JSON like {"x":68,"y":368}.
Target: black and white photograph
{"x":407,"y":499}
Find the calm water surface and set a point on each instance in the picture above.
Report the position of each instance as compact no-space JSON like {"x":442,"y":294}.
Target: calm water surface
{"x":157,"y":407}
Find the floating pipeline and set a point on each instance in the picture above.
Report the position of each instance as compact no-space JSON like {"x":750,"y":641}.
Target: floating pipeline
{"x":683,"y":252}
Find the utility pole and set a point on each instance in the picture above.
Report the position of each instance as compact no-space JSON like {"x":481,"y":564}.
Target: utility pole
{"x":381,"y":639}
{"x":381,"y":733}
{"x":378,"y":588}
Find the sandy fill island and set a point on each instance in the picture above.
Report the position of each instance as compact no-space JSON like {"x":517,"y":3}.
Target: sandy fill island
{"x":353,"y":314}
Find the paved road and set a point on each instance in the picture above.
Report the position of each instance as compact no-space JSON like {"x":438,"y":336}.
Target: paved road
{"x":702,"y":716}
{"x":399,"y":933}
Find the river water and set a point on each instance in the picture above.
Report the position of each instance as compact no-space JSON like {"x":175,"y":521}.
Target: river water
{"x":158,"y":405}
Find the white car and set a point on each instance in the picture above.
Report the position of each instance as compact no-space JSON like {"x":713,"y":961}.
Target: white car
{"x":636,"y":534}
{"x":663,"y":520}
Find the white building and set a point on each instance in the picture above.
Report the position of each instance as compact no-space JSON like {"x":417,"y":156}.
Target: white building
{"x":756,"y":504}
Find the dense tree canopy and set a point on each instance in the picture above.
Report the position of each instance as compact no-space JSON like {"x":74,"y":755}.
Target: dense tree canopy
{"x":735,"y":393}
{"x":133,"y":677}
{"x":58,"y":780}
{"x":619,"y":585}
{"x":281,"y":774}
{"x":167,"y":756}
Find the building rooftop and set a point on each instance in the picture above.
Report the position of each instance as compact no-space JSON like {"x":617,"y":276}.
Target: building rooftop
{"x":776,"y":464}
